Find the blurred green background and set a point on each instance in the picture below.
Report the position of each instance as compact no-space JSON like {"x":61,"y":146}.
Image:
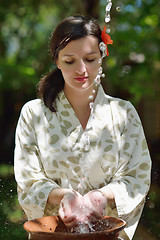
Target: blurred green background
{"x":132,"y":73}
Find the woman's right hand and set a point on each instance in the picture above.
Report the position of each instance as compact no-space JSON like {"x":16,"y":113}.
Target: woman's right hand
{"x":69,"y":207}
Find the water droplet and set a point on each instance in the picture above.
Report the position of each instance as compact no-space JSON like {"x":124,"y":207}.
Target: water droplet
{"x":108,"y":6}
{"x":126,"y":69}
{"x":108,"y":9}
{"x":151,"y":205}
{"x":107,"y":18}
{"x":108,"y":30}
{"x":118,"y":8}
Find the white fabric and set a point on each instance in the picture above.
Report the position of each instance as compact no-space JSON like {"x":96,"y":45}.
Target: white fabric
{"x":50,"y":152}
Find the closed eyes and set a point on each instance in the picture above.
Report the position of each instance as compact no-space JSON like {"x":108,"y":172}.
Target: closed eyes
{"x":88,"y":60}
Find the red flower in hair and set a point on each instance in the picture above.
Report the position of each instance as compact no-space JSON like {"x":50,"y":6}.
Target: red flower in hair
{"x":106,"y":39}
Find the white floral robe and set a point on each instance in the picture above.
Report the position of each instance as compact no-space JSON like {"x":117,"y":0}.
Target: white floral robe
{"x":50,"y":152}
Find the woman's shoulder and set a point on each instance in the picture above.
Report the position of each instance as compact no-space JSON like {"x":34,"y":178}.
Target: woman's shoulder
{"x":34,"y":103}
{"x":112,"y":100}
{"x":118,"y":102}
{"x":123,"y":109}
{"x":33,"y":106}
{"x":117,"y":105}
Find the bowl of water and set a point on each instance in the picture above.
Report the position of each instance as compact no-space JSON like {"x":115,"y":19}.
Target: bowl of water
{"x":52,"y":227}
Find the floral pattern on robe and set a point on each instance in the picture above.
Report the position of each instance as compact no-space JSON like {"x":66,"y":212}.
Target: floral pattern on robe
{"x":51,"y":152}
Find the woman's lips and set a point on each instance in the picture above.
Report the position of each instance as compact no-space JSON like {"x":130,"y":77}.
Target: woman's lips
{"x":81,"y":79}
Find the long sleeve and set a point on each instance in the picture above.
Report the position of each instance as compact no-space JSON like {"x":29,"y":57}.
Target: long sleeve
{"x":50,"y":152}
{"x":130,"y":183}
{"x":33,"y":184}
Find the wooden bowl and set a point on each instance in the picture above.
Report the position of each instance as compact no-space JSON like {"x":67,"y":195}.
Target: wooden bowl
{"x":52,"y":227}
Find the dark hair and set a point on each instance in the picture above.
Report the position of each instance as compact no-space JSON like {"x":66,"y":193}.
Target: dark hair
{"x":69,"y":29}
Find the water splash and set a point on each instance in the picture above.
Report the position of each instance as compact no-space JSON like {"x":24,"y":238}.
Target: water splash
{"x":108,"y":9}
{"x":84,"y":225}
{"x":83,"y":228}
{"x":88,"y":227}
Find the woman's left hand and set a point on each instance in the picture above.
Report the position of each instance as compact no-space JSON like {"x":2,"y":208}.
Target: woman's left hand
{"x":97,"y":203}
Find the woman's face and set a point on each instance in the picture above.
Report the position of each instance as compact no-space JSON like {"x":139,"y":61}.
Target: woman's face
{"x":78,"y":62}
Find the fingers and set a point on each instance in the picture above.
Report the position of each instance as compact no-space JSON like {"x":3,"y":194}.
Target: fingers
{"x":68,"y":208}
{"x":67,"y":216}
{"x":97,"y":203}
{"x":75,"y":208}
{"x":70,"y":221}
{"x":97,"y":199}
{"x":97,"y":214}
{"x":65,"y":207}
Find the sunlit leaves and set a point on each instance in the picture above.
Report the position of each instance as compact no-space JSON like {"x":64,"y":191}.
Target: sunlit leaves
{"x":136,"y":51}
{"x":26,"y":28}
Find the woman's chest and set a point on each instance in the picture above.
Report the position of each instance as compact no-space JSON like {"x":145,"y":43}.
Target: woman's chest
{"x":70,"y":152}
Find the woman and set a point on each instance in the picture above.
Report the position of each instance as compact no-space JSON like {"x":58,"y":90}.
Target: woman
{"x":78,"y":151}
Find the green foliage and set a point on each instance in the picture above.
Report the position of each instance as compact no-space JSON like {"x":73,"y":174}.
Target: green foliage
{"x":26,"y":27}
{"x":152,"y":207}
{"x":134,"y":58}
{"x":132,"y":71}
{"x":134,"y":61}
{"x":12,"y":216}
{"x":24,"y":46}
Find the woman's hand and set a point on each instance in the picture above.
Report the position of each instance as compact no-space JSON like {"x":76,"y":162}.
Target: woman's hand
{"x":75,"y":208}
{"x":96,"y":202}
{"x":69,"y":210}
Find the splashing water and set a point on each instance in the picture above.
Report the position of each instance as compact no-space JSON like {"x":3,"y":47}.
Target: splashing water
{"x":89,"y":227}
{"x":83,"y":228}
{"x":108,"y":9}
{"x":84,"y":225}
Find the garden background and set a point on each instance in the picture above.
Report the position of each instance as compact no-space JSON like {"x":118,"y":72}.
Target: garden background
{"x":132,"y":73}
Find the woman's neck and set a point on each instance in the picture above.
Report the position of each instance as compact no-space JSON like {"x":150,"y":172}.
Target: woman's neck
{"x":78,"y":98}
{"x":79,"y":101}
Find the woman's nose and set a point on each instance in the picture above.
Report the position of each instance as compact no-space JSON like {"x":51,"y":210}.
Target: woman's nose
{"x":81,"y":67}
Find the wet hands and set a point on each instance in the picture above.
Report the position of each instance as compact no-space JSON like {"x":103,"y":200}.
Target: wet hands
{"x":69,"y":207}
{"x":97,"y":203}
{"x":75,"y":208}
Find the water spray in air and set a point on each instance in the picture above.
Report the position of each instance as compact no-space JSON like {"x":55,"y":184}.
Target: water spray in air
{"x":108,"y":9}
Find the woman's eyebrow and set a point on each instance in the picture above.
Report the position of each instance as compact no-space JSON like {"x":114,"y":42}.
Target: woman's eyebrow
{"x":68,"y":55}
{"x":71,"y":55}
{"x":91,"y":53}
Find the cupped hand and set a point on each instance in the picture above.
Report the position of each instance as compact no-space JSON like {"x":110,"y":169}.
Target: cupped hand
{"x":69,"y":208}
{"x":96,"y":202}
{"x":75,"y":208}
